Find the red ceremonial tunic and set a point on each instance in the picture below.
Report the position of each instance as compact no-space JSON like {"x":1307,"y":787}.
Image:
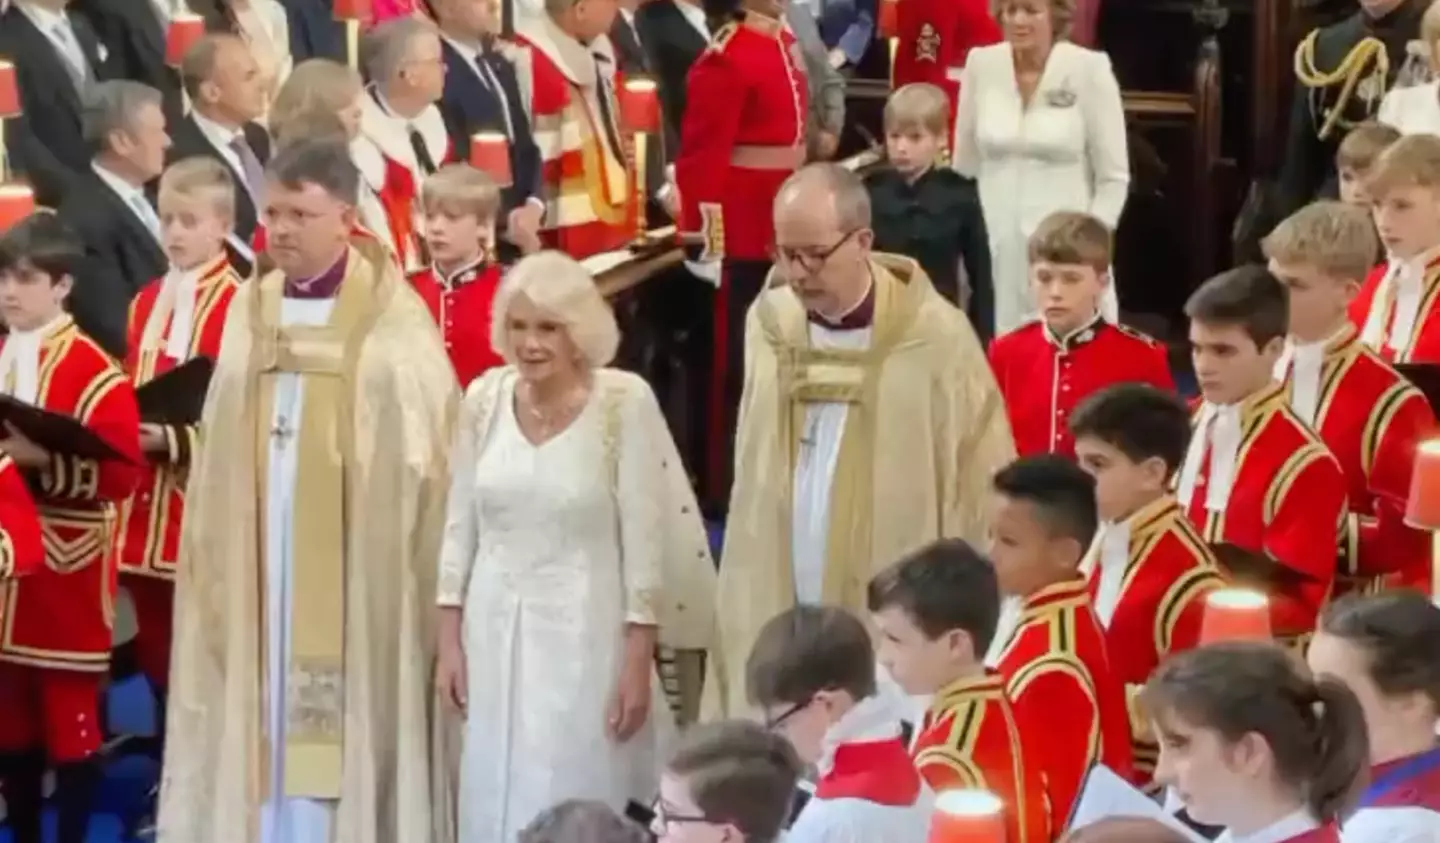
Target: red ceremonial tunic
{"x":60,"y":616}
{"x":461,"y":307}
{"x":388,"y":163}
{"x":970,"y":738}
{"x":1422,"y":342}
{"x":747,"y":137}
{"x":584,"y":178}
{"x":1043,"y":377}
{"x":1070,"y":705}
{"x":149,"y":539}
{"x":20,"y":550}
{"x":1287,"y":501}
{"x":1372,"y":418}
{"x":1168,"y":571}
{"x":935,"y":38}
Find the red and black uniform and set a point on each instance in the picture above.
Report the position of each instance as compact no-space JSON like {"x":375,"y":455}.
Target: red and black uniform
{"x":56,"y":637}
{"x":743,"y":135}
{"x":20,"y":550}
{"x":1070,"y":706}
{"x":1375,"y":312}
{"x":461,"y":305}
{"x":148,"y":545}
{"x":935,"y":38}
{"x":1043,"y":377}
{"x":1148,"y":579}
{"x":970,"y":738}
{"x":1372,"y":419}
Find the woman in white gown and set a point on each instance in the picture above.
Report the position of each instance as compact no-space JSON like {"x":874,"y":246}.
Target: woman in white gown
{"x":554,"y":579}
{"x":1052,"y":138}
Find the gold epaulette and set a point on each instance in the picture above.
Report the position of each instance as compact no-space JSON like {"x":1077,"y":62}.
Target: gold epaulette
{"x":723,"y":36}
{"x":1367,"y":64}
{"x":1139,"y":335}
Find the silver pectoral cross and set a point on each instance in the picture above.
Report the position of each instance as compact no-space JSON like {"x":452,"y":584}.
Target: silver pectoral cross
{"x":282,"y":432}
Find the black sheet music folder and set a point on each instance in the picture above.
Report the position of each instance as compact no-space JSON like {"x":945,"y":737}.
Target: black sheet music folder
{"x":59,"y":434}
{"x":178,"y":396}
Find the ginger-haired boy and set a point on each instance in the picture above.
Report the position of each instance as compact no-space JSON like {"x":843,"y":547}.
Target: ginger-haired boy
{"x":1369,"y":415}
{"x":1356,"y":155}
{"x":460,"y":205}
{"x":1047,"y":367}
{"x":1398,"y":306}
{"x":927,"y":212}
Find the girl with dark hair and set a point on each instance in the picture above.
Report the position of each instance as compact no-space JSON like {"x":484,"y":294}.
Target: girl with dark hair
{"x":1386,"y":648}
{"x":1251,"y":742}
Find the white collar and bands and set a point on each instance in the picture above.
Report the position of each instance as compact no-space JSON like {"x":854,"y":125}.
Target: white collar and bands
{"x":20,"y":361}
{"x":1404,"y":284}
{"x":1302,"y":363}
{"x":1218,"y":431}
{"x":176,"y":300}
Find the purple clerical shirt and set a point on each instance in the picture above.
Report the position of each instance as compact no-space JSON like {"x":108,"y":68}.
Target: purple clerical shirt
{"x":322,"y":286}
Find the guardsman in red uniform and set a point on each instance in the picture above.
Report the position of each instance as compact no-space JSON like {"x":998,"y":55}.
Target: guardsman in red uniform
{"x":175,"y":318}
{"x":1369,"y":415}
{"x":935,"y":38}
{"x":20,"y":550}
{"x":460,"y":205}
{"x":55,"y":641}
{"x":1148,"y":570}
{"x":1047,"y":367}
{"x":1050,"y":647}
{"x":1254,"y":475}
{"x":1398,"y":307}
{"x":936,"y":613}
{"x":746,"y":136}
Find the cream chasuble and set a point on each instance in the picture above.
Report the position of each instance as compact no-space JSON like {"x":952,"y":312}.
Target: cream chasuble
{"x":301,"y":706}
{"x":917,"y":428}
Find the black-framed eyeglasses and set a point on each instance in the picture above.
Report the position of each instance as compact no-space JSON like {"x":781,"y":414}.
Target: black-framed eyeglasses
{"x":774,"y":723}
{"x":810,"y":258}
{"x":662,"y":817}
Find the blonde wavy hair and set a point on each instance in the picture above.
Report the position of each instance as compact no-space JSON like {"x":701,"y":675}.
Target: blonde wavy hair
{"x":559,"y":284}
{"x":1062,"y":15}
{"x":315,"y":85}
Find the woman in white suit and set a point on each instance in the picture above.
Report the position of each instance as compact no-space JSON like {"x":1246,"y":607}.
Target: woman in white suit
{"x":1042,"y":129}
{"x":1415,"y":109}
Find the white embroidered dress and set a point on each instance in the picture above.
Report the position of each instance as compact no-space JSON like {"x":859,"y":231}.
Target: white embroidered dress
{"x":534,"y":543}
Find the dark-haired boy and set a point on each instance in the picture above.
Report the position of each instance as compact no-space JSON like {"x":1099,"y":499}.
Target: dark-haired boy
{"x":812,"y":673}
{"x":1148,"y":569}
{"x":1051,"y":649}
{"x":936,"y":612}
{"x":55,"y":647}
{"x":732,"y":780}
{"x":1047,"y":367}
{"x":1254,"y":475}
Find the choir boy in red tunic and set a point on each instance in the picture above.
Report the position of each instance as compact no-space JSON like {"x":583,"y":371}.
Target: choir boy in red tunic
{"x":1049,"y":646}
{"x":460,"y":205}
{"x":1148,"y":569}
{"x":812,"y":673}
{"x":935,"y":614}
{"x":1398,"y":307}
{"x":56,"y":637}
{"x":20,"y":549}
{"x":1047,"y":367}
{"x":935,"y":38}
{"x":1255,"y":476}
{"x":1369,"y":415}
{"x":175,"y":318}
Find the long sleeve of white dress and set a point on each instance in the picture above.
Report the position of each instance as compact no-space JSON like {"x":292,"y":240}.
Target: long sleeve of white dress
{"x":457,"y":551}
{"x":1105,"y":142}
{"x":640,"y":494}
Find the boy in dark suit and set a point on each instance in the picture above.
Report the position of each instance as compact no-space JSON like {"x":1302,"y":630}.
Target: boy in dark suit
{"x":931,"y":213}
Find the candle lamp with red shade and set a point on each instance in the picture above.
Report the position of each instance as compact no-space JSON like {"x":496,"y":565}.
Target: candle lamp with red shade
{"x":185,"y":29}
{"x":967,"y":816}
{"x":888,"y":26}
{"x":1422,"y":508}
{"x":17,"y":201}
{"x":640,"y":116}
{"x":352,"y":13}
{"x":9,"y":107}
{"x":1235,"y":614}
{"x":490,"y":154}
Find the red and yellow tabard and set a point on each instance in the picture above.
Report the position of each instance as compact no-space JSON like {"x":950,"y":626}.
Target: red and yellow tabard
{"x":60,"y":616}
{"x":1070,"y":705}
{"x":745,"y":136}
{"x":1286,"y":501}
{"x":149,"y":538}
{"x":1043,"y":377}
{"x":461,"y":306}
{"x":970,"y":738}
{"x":1372,"y":418}
{"x":21,"y":552}
{"x":1165,"y":571}
{"x":1374,"y":314}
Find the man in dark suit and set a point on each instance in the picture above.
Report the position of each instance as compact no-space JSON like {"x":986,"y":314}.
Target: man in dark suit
{"x":125,"y":127}
{"x":674,"y":33}
{"x":628,"y":42}
{"x":57,"y":57}
{"x":134,"y":32}
{"x":314,"y":32}
{"x":226,"y":96}
{"x":482,"y":94}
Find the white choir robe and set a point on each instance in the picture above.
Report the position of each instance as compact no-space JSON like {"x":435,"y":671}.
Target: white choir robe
{"x":286,"y":819}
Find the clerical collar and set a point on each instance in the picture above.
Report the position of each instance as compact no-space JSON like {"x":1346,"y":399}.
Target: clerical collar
{"x":322,"y":286}
{"x":862,"y":315}
{"x":464,"y":274}
{"x":1081,"y":335}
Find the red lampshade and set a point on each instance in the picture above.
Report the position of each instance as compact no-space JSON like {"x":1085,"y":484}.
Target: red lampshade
{"x":1422,"y":510}
{"x":185,"y":30}
{"x":356,"y":10}
{"x":889,"y":22}
{"x":490,"y":154}
{"x":1235,"y":614}
{"x":639,"y":106}
{"x":9,"y":93}
{"x":17,"y":201}
{"x":968,"y":816}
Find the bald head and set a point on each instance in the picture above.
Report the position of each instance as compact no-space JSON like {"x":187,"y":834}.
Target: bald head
{"x":825,"y":189}
{"x":823,"y":237}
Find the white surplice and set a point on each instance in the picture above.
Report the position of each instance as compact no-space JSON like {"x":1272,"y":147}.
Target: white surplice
{"x":544,"y":618}
{"x":286,"y":819}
